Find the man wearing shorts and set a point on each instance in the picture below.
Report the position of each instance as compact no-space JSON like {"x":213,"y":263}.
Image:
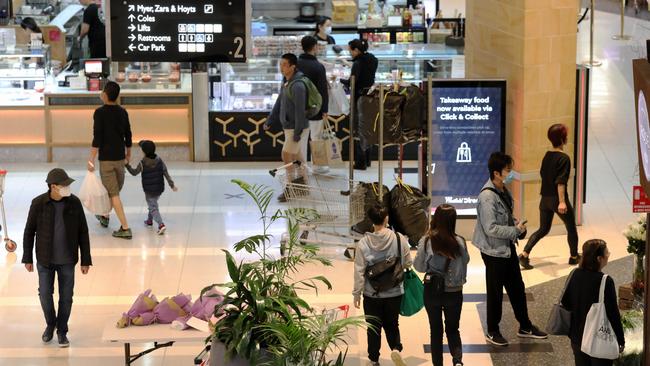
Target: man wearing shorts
{"x":112,"y":141}
{"x":289,"y":111}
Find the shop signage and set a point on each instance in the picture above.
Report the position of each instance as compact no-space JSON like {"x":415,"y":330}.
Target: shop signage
{"x":179,"y":30}
{"x":640,"y":202}
{"x":468,"y":124}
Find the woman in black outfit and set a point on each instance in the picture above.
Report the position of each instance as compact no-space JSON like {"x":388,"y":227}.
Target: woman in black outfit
{"x":324,"y":30}
{"x":582,"y":291}
{"x":555,"y":170}
{"x":442,"y":251}
{"x":364,"y":67}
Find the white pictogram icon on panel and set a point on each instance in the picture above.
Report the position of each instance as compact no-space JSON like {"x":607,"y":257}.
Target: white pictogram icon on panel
{"x":464,"y":154}
{"x":208,"y":8}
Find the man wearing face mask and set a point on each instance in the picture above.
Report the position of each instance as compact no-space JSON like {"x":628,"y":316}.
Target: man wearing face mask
{"x":57,"y":220}
{"x":495,"y":235}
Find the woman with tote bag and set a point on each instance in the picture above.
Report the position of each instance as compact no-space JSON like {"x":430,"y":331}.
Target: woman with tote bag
{"x":590,"y":296}
{"x":443,"y":256}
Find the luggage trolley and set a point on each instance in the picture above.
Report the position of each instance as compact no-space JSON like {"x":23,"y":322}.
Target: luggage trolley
{"x":337,"y":201}
{"x":10,"y":245}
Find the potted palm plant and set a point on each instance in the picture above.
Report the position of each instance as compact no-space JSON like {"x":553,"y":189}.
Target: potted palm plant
{"x":263,"y":320}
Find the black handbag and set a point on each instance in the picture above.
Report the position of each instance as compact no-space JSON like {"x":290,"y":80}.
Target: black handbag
{"x":434,"y":282}
{"x":388,"y":273}
{"x":559,"y":321}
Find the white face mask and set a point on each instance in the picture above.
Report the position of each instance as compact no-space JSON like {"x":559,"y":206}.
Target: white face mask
{"x":64,"y":191}
{"x":328,"y":30}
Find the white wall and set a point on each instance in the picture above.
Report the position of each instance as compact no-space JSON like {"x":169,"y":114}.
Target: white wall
{"x":449,"y":8}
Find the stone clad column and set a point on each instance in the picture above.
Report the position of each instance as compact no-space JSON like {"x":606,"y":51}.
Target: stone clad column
{"x":531,"y":44}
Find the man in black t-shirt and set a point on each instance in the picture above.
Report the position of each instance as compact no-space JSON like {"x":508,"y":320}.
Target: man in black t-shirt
{"x":94,"y":28}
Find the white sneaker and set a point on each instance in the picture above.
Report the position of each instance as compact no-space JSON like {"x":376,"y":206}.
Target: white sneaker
{"x":396,"y":356}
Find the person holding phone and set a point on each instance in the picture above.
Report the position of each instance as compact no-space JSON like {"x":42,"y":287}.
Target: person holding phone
{"x":555,"y":172}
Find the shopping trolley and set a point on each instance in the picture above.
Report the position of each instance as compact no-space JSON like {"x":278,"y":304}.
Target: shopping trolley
{"x":10,"y":245}
{"x":336,"y":201}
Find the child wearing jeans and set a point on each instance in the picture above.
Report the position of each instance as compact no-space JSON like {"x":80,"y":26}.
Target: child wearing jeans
{"x":153,"y":170}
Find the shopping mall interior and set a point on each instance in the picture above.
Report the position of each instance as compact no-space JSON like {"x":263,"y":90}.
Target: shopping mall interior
{"x":206,"y":111}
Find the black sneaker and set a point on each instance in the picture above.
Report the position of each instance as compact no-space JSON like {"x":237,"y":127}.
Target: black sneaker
{"x":63,"y":341}
{"x":103,"y":220}
{"x":496,"y":339}
{"x":48,"y":334}
{"x":533,"y":332}
{"x":524,"y":262}
{"x":282,"y":198}
{"x":349,"y":253}
{"x":360,"y":167}
{"x":575,"y":260}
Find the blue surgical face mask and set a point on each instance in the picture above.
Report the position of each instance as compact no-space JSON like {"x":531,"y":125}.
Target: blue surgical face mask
{"x":509,"y":178}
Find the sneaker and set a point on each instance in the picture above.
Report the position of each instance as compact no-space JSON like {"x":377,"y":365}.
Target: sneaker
{"x":63,"y":341}
{"x":48,"y":334}
{"x":496,"y":339}
{"x":282,"y":198}
{"x":459,"y":364}
{"x":575,"y":260}
{"x":533,"y":332}
{"x":103,"y":220}
{"x":396,"y":356}
{"x":524,"y":262}
{"x":161,"y":229}
{"x":148,"y":222}
{"x":373,"y":363}
{"x":360,"y":167}
{"x":123,"y":234}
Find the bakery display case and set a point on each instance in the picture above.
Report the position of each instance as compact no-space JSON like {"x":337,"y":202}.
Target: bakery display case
{"x":148,"y":75}
{"x":24,"y":73}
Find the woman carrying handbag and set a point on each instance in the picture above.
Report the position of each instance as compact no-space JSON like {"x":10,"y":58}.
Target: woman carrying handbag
{"x":590,"y":297}
{"x":443,"y":256}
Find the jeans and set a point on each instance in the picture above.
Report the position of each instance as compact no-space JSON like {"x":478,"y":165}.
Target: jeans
{"x":583,"y":359}
{"x":547,"y":208}
{"x":152,"y":204}
{"x":65,"y":274}
{"x":500,"y":273}
{"x":451,"y":304}
{"x":385,"y":313}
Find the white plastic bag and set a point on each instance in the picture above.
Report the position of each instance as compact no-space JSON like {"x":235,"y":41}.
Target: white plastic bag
{"x":94,"y":196}
{"x":599,"y":339}
{"x":339,"y":103}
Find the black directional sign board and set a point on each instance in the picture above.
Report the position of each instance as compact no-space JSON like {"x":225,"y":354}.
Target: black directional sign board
{"x":179,"y":30}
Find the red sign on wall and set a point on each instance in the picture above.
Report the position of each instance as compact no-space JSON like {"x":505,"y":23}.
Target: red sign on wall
{"x":640,"y":202}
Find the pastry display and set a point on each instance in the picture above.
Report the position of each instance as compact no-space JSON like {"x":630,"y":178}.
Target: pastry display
{"x":120,"y":77}
{"x":133,"y":77}
{"x":146,"y":78}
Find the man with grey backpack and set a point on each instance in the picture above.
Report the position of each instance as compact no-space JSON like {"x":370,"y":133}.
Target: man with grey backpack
{"x":379,"y":264}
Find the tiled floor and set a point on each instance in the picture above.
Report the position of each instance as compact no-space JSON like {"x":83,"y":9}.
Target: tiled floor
{"x":204,"y":218}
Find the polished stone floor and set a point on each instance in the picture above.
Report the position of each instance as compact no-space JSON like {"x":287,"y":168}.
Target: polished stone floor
{"x":206,"y":216}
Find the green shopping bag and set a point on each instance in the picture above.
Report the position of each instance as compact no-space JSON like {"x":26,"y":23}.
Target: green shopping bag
{"x":413,"y":299}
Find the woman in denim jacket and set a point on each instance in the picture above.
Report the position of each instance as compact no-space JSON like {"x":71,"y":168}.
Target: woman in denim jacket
{"x":435,"y":248}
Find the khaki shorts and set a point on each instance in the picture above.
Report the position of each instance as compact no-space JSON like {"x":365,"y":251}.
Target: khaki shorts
{"x":112,"y":175}
{"x":293,"y":147}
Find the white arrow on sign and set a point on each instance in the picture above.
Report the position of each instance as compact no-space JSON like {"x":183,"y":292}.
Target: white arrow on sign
{"x":131,"y":47}
{"x":132,"y":38}
{"x":131,"y":7}
{"x":132,"y":27}
{"x":131,"y":17}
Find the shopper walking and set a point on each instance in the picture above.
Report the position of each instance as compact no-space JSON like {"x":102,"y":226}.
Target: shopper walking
{"x":555,"y":171}
{"x":154,"y":172}
{"x":444,"y":253}
{"x":289,"y":111}
{"x":381,"y":307}
{"x":495,"y":235}
{"x":582,"y":290}
{"x":364,"y":68}
{"x":309,"y":65}
{"x":112,"y":142}
{"x":56,"y":219}
{"x":94,"y":28}
{"x":324,"y":30}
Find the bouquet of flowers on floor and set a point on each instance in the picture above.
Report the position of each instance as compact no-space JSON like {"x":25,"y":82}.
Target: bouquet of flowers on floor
{"x":636,"y":236}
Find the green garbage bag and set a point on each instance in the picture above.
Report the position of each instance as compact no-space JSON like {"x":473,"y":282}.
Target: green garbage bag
{"x":413,"y":299}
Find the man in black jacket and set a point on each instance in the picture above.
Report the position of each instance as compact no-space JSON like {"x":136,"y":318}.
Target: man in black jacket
{"x":57,"y":220}
{"x":309,"y":65}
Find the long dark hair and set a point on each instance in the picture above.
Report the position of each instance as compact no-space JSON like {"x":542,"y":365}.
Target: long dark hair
{"x":358,"y":44}
{"x":30,"y":23}
{"x":591,"y":250}
{"x":442,"y":232}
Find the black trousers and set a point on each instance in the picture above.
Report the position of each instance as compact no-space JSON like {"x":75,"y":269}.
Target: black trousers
{"x":450,"y":304}
{"x":547,"y":208}
{"x":385,"y":315}
{"x":583,"y":359}
{"x":500,"y":273}
{"x":362,"y":158}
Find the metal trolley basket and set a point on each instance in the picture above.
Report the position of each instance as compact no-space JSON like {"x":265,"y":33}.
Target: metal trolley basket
{"x":10,"y":245}
{"x":337,"y":201}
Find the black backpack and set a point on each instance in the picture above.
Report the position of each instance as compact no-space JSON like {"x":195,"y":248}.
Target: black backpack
{"x":388,"y":273}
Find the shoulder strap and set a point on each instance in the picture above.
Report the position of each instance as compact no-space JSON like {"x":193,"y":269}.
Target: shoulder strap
{"x":399,"y":247}
{"x":498,"y":195}
{"x":566,"y":284}
{"x":601,"y":294}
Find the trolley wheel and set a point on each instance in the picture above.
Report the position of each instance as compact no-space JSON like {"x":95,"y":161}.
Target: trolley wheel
{"x":10,"y":245}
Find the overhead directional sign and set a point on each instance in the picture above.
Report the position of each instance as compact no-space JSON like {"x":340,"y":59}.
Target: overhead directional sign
{"x":179,"y":30}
